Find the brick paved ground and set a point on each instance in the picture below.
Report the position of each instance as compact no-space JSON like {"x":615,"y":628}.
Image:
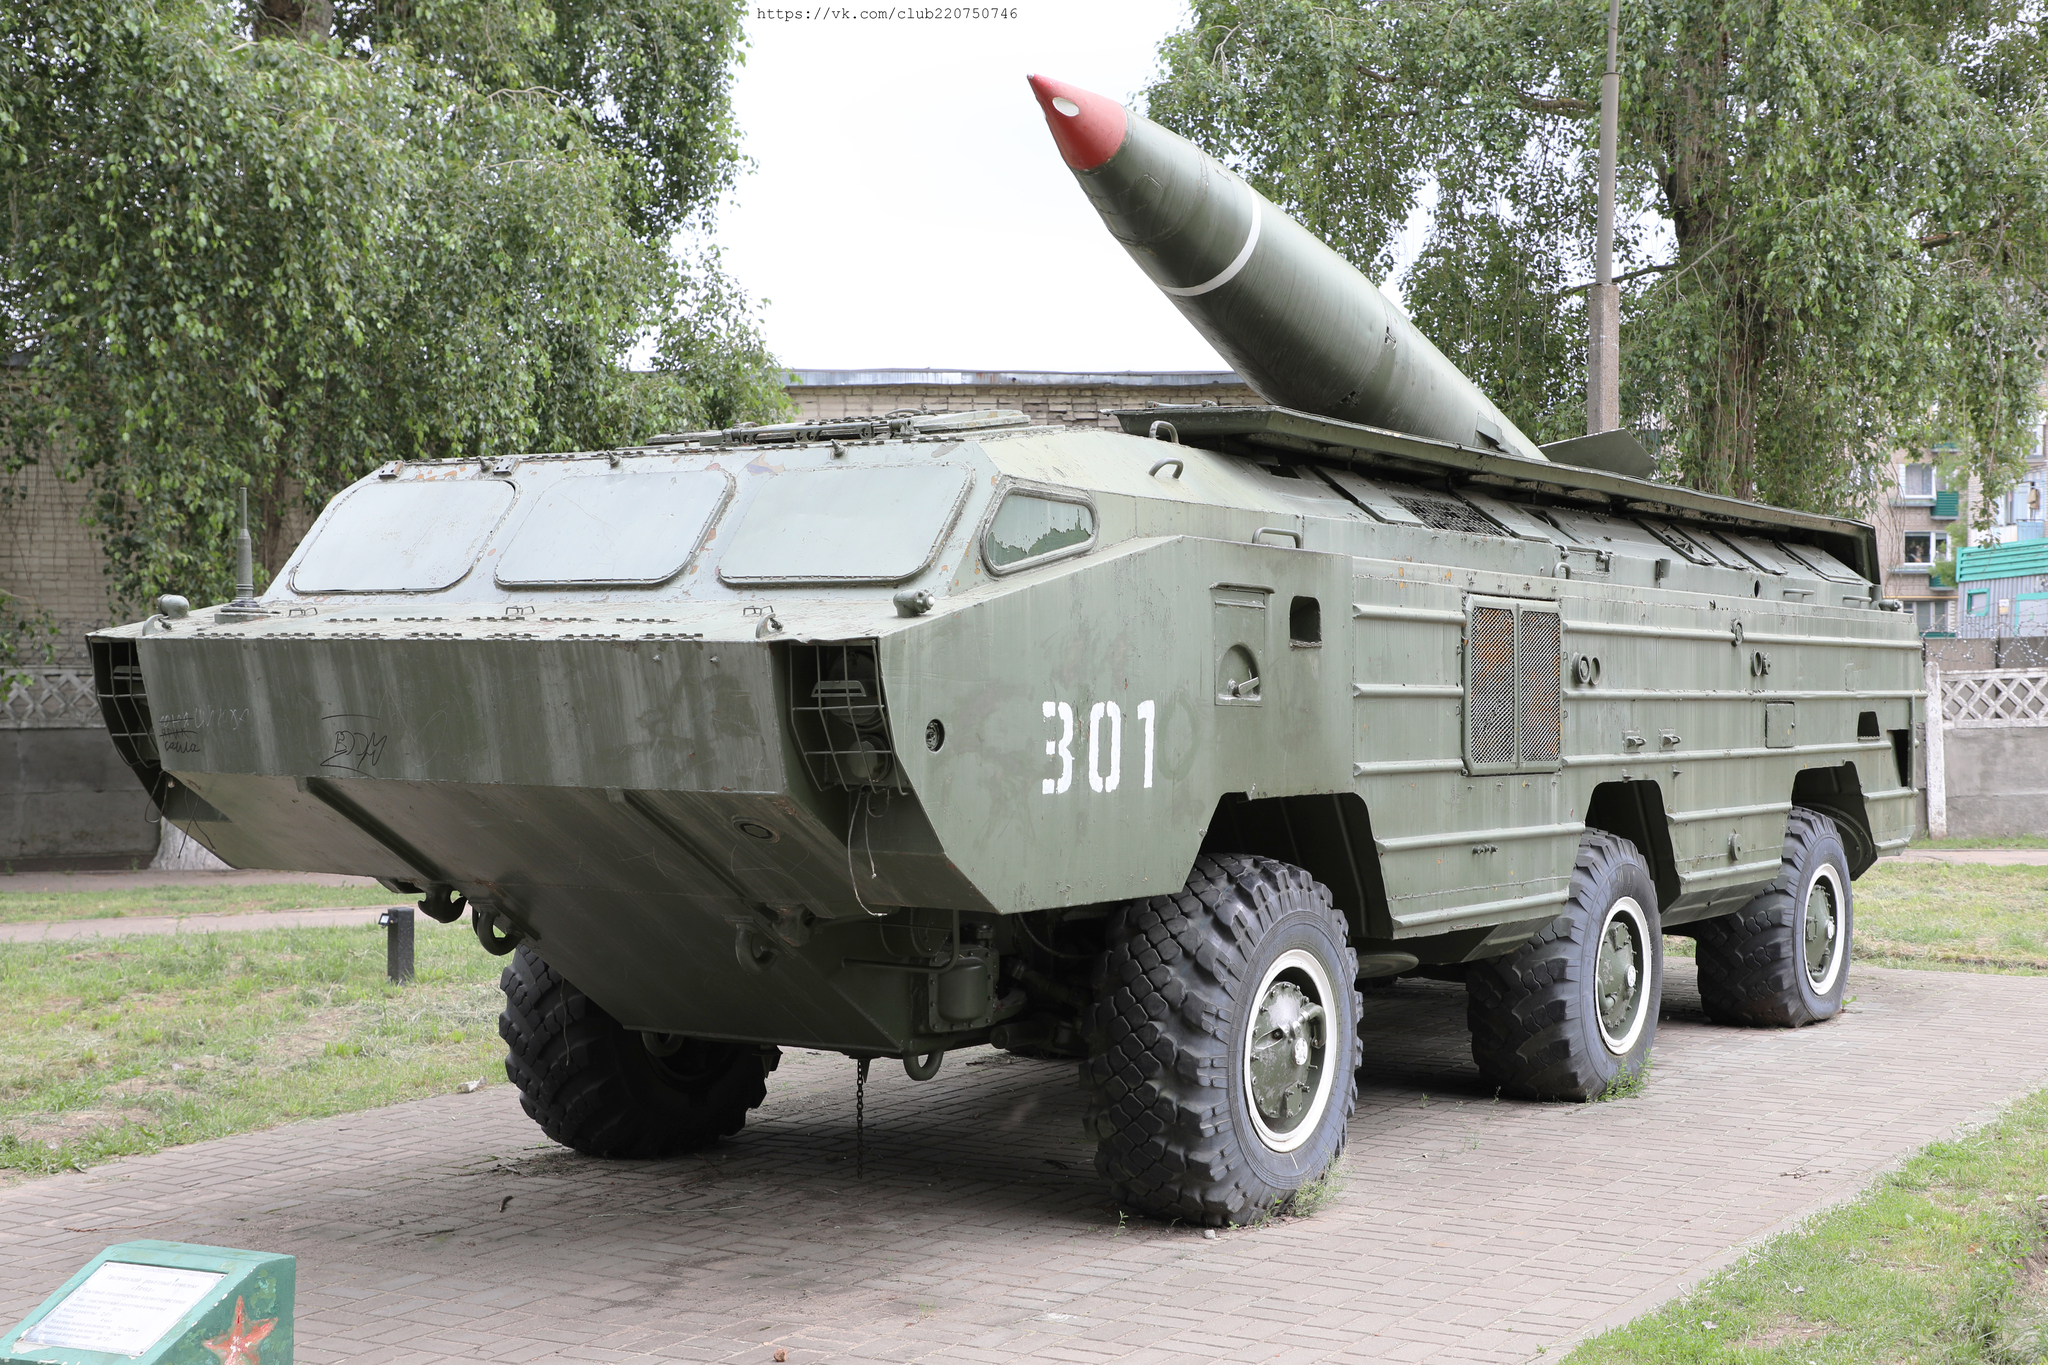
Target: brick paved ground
{"x":1468,"y":1230}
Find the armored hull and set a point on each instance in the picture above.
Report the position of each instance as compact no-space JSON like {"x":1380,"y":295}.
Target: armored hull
{"x":1266,"y":633}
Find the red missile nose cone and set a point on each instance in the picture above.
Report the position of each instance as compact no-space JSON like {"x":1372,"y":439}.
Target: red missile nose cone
{"x":1087,"y":127}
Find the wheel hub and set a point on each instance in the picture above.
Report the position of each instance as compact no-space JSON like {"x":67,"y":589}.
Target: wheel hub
{"x":1286,"y":1077}
{"x":1823,"y":931}
{"x":1618,"y":973}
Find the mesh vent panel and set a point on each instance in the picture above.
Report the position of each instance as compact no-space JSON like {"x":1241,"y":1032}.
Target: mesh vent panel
{"x":117,"y":677}
{"x":1442,"y":514}
{"x":1542,"y":704}
{"x":840,"y":717}
{"x":1490,"y":708}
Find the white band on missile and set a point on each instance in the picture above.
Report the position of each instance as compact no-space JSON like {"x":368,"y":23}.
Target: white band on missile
{"x":1229,"y":272}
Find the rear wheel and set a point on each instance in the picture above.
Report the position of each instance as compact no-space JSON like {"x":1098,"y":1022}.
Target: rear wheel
{"x":1224,"y":1042}
{"x":1573,"y":1011}
{"x":1782,"y":960}
{"x":609,"y":1091}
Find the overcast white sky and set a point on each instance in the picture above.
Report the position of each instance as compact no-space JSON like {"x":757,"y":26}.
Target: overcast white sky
{"x":910,"y":209}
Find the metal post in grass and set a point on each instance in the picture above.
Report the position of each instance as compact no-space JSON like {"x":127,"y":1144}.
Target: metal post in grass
{"x":397,"y":922}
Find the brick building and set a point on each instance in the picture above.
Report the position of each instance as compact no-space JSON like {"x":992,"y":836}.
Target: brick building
{"x":50,"y":560}
{"x":1050,"y":397}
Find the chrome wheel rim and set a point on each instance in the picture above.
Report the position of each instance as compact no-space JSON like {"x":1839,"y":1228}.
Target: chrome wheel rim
{"x":1620,"y":975}
{"x":1821,"y":921}
{"x":1287,"y":1073}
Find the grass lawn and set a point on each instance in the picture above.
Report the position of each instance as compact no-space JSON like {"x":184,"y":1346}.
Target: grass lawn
{"x":1959,"y":916}
{"x":118,"y":1046}
{"x":19,"y":907}
{"x":1944,"y":1261}
{"x":1946,"y":917}
{"x":2003,"y":841}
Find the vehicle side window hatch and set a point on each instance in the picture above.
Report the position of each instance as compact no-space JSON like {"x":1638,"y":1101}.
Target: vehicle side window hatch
{"x":1766,"y":555}
{"x":633,"y":529}
{"x":1407,"y":505}
{"x":414,"y":535}
{"x":1032,"y":527}
{"x":1298,"y":486}
{"x":1823,"y":563}
{"x":1699,"y":549}
{"x":1615,"y":535}
{"x":1521,"y":522}
{"x":864,"y":524}
{"x":1375,"y":497}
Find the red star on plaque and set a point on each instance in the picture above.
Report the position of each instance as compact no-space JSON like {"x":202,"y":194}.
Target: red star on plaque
{"x":238,"y":1345}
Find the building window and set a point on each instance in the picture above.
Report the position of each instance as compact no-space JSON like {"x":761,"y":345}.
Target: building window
{"x":1924,"y":547}
{"x":1930,"y":616}
{"x":1921,"y":481}
{"x":1980,"y":604}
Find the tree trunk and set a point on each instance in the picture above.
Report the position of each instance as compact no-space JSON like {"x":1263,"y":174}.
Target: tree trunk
{"x":1698,"y":189}
{"x":273,"y":503}
{"x":291,"y":19}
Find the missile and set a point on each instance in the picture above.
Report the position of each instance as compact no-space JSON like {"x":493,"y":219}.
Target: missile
{"x":1297,"y":320}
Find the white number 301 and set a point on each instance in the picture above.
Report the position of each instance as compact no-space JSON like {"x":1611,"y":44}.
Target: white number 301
{"x":1104,"y":715}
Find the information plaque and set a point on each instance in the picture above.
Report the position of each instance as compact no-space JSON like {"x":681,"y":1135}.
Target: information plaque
{"x":163,"y":1303}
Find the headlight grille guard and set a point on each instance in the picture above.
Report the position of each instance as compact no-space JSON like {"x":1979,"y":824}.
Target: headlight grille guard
{"x":840,"y":717}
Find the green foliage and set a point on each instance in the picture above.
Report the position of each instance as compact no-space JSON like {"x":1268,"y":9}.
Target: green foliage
{"x":1626,"y":1085}
{"x":1832,"y":218}
{"x":276,"y":258}
{"x":1313,"y":1196}
{"x":649,"y":83}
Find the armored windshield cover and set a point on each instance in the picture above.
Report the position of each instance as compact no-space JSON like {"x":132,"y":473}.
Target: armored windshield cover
{"x":627,"y":529}
{"x":880,"y":524}
{"x":1029,"y":527}
{"x":419,"y":535}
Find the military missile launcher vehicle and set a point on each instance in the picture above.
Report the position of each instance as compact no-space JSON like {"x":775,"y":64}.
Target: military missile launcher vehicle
{"x":1146,"y":749}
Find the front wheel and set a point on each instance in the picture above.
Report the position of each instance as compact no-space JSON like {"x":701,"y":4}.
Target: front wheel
{"x":605,"y":1090}
{"x":1223,"y":1041}
{"x":1573,"y":1012}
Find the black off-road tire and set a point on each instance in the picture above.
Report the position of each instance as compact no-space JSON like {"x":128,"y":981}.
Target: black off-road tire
{"x":1754,"y":964}
{"x":1168,"y":1072}
{"x":1535,"y":1014}
{"x":592,"y":1085}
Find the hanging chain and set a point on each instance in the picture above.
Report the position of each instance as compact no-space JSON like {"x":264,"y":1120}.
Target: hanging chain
{"x":860,"y":1120}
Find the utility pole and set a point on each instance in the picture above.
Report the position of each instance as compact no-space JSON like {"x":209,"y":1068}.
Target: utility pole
{"x":1603,"y":300}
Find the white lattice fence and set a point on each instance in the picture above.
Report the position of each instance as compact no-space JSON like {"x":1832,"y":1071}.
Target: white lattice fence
{"x":1995,"y":699}
{"x":51,"y":699}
